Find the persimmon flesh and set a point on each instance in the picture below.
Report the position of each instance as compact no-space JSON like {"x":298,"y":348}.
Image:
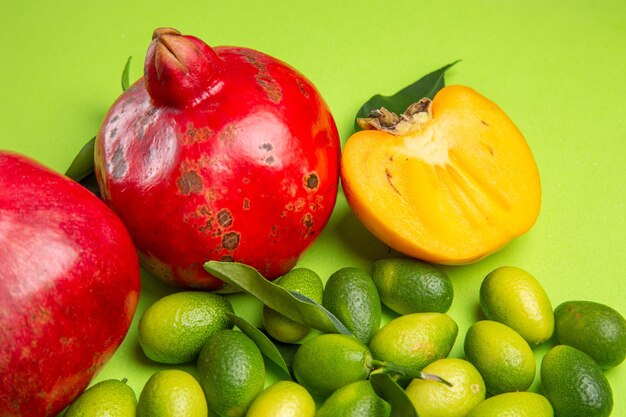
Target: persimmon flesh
{"x":450,"y":184}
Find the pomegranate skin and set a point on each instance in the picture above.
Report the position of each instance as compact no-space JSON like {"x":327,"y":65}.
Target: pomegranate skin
{"x":218,"y":154}
{"x":69,"y":285}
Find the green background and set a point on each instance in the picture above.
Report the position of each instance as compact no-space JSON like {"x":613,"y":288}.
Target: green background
{"x":558,"y":68}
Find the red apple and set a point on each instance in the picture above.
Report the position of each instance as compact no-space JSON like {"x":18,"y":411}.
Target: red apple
{"x":69,"y":284}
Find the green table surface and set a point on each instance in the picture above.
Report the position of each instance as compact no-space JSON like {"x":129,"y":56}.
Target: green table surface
{"x":558,"y":68}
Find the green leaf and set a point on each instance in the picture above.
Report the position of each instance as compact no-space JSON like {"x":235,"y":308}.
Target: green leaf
{"x":427,"y":86}
{"x":287,"y":350}
{"x":125,"y":75}
{"x":390,"y":391}
{"x":265,"y":345}
{"x":406,"y":373}
{"x":294,"y":306}
{"x":91,"y":184}
{"x":83,"y":163}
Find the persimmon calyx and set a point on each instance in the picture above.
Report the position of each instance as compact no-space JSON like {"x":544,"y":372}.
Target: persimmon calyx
{"x":416,"y":115}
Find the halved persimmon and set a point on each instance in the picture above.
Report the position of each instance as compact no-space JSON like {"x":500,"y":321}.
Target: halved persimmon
{"x":450,"y":181}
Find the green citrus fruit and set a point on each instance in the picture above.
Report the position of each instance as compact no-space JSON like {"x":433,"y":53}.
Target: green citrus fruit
{"x":231,"y":372}
{"x":283,"y":399}
{"x":411,"y":286}
{"x":514,"y":404}
{"x":596,"y":329}
{"x":414,"y":340}
{"x":575,"y":384}
{"x":501,"y":355}
{"x":172,"y":393}
{"x":174,"y":328}
{"x":435,"y":399}
{"x":514,"y":297}
{"x":110,"y":398}
{"x":350,"y":294}
{"x":329,"y":361}
{"x":356,"y":399}
{"x":281,"y":328}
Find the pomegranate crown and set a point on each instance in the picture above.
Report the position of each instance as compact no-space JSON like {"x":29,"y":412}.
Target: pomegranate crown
{"x":180,"y":70}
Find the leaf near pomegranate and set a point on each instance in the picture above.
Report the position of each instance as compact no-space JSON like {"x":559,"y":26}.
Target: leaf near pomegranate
{"x":290,"y":304}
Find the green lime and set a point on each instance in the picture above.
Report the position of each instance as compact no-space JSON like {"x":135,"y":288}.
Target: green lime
{"x":356,"y":399}
{"x":514,"y":404}
{"x":514,"y":297}
{"x":411,"y":286}
{"x":172,"y":393}
{"x":575,"y":384}
{"x":231,"y":372}
{"x":596,"y":329}
{"x":174,"y":328}
{"x":110,"y":398}
{"x":305,"y":282}
{"x":434,"y":399}
{"x":329,"y":361}
{"x":350,"y":294}
{"x":501,"y":355}
{"x":283,"y":399}
{"x":414,"y":340}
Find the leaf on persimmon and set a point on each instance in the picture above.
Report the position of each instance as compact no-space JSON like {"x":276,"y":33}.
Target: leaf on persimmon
{"x":427,"y":86}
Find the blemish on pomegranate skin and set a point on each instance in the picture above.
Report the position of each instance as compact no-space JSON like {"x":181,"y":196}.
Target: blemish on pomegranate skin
{"x":272,"y":89}
{"x":299,"y":204}
{"x":302,"y":88}
{"x":228,"y":134}
{"x":140,"y":132}
{"x":269,"y":160}
{"x":307,"y":221}
{"x":292,"y":190}
{"x":193,"y":135}
{"x":224,"y":218}
{"x":266,"y":147}
{"x":227,"y":258}
{"x":208,"y":229}
{"x":65,"y":341}
{"x":118,"y":162}
{"x":189,"y":182}
{"x":311,"y":181}
{"x":230,"y":240}
{"x":246,"y":204}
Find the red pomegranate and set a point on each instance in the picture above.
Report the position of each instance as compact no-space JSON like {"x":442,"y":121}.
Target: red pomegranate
{"x":69,"y":284}
{"x":218,"y":154}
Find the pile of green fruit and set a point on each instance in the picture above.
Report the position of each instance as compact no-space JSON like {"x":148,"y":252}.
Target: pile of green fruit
{"x":339,"y":359}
